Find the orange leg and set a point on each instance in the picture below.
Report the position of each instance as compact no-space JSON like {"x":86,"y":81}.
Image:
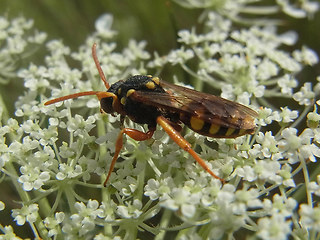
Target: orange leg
{"x":184,"y":144}
{"x":134,"y":134}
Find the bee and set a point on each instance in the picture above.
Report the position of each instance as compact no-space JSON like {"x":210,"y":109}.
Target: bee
{"x":148,"y":100}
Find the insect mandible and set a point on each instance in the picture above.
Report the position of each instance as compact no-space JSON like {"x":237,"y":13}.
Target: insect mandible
{"x":149,"y":100}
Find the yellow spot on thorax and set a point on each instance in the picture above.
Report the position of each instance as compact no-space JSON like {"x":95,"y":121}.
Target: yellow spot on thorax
{"x":156,"y":80}
{"x":123,"y":100}
{"x":150,"y":85}
{"x":130,"y":91}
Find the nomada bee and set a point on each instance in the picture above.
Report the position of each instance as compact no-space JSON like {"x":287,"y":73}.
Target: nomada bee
{"x":149,"y":100}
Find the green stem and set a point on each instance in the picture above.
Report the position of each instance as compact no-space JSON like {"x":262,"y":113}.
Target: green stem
{"x":166,"y":217}
{"x":71,"y":200}
{"x":140,"y":180}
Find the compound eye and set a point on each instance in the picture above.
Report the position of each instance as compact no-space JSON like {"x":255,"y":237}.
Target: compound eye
{"x":106,"y":104}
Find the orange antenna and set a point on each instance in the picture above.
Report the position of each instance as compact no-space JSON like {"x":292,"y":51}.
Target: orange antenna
{"x":96,"y":61}
{"x":99,"y":94}
{"x":75,"y":95}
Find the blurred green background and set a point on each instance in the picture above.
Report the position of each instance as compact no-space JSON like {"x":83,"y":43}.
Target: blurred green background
{"x":153,"y":20}
{"x":73,"y":20}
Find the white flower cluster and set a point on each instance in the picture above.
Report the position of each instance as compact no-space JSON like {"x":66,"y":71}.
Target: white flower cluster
{"x":18,"y":40}
{"x":61,"y":151}
{"x":235,"y":9}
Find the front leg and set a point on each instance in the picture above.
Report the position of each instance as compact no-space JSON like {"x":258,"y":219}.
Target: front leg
{"x":134,"y":134}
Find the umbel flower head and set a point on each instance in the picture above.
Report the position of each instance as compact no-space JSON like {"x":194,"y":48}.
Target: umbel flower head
{"x":56,"y":156}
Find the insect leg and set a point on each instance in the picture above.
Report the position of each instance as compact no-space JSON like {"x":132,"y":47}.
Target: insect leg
{"x":134,"y":134}
{"x":184,"y":144}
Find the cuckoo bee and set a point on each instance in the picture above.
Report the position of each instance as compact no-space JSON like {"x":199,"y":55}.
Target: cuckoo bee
{"x":149,"y":100}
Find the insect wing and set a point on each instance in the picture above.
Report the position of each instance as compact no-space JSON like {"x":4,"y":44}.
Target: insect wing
{"x":209,"y":108}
